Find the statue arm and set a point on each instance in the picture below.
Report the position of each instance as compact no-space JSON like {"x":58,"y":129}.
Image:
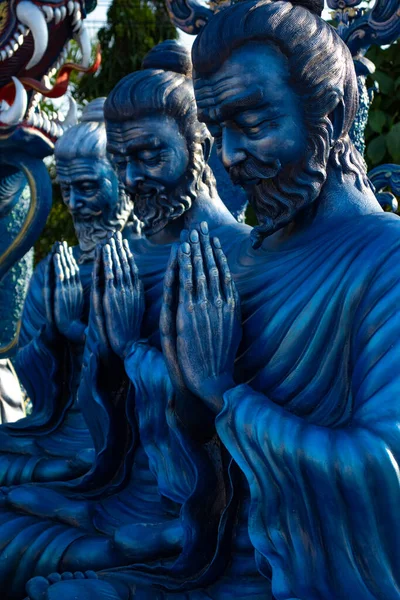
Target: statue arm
{"x":154,"y":409}
{"x":38,"y":359}
{"x":324,"y":510}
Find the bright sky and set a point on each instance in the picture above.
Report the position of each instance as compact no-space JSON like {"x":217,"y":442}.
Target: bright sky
{"x":98,"y":18}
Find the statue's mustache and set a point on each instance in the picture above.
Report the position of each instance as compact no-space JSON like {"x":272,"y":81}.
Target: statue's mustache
{"x":85,"y":214}
{"x":147,"y":187}
{"x":252,"y":170}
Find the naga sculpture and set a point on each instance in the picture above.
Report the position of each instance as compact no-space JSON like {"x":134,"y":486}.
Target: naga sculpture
{"x":34,"y":39}
{"x":302,"y":387}
{"x":54,"y":442}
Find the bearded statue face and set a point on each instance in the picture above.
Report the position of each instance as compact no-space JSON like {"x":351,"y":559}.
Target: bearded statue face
{"x":256,"y":117}
{"x":154,"y":165}
{"x":90,"y":190}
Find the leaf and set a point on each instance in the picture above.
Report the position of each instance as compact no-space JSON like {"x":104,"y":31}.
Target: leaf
{"x":393,"y":142}
{"x":397,"y":83}
{"x":386,"y":83}
{"x":377,"y":149}
{"x":377,"y":120}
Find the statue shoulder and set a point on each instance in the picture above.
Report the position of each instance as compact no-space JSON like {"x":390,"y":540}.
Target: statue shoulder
{"x":381,"y":258}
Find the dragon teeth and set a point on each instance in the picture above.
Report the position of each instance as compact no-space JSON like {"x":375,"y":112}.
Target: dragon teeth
{"x":57,"y":15}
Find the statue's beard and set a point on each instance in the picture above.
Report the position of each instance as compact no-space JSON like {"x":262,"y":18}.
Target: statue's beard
{"x":156,"y":207}
{"x":96,"y":229}
{"x":281,"y":193}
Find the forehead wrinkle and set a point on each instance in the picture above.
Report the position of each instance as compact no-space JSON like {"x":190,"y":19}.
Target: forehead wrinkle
{"x":125,"y":146}
{"x":222,"y":108}
{"x":79,"y":169}
{"x":208,"y":93}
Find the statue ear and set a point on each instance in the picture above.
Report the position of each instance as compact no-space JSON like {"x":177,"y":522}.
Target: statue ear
{"x":337,"y":119}
{"x":207,"y":145}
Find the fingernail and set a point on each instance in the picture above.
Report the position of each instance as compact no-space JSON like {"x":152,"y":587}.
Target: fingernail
{"x":217,"y":243}
{"x":194,"y":236}
{"x":184,"y":235}
{"x":204,"y":227}
{"x":185,"y":248}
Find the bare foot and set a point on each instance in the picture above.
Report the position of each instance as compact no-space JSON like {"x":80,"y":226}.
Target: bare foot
{"x":65,"y":586}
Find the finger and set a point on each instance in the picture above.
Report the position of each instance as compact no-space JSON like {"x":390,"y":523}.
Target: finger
{"x":49,"y":287}
{"x":185,"y":275}
{"x":184,"y":237}
{"x":123,"y":258}
{"x":71,"y":264}
{"x":116,"y":265}
{"x":134,"y":271}
{"x":170,"y":300}
{"x":200,"y":280}
{"x":108,"y":266}
{"x":226,"y":281}
{"x":58,"y":268}
{"x":61,"y":254}
{"x":211,"y":267}
{"x":95,"y":295}
{"x":75,"y":265}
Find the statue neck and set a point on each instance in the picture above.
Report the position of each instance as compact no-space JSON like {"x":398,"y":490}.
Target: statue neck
{"x":206,"y":207}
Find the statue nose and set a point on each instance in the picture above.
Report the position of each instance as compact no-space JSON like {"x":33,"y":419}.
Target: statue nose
{"x":232,"y":152}
{"x":132,"y":177}
{"x":74,"y":201}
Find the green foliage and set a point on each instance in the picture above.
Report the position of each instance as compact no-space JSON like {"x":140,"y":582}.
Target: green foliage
{"x":59,"y":225}
{"x":383,"y":130}
{"x":133,"y":28}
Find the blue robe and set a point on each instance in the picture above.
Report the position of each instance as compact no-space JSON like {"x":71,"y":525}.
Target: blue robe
{"x":49,"y":370}
{"x":313,"y":423}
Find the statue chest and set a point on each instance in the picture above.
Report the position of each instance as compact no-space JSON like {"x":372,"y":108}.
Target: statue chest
{"x":298,"y":313}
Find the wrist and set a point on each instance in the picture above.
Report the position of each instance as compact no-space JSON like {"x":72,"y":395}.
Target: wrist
{"x":49,"y":333}
{"x":133,"y":346}
{"x":76,"y":332}
{"x":213,"y":389}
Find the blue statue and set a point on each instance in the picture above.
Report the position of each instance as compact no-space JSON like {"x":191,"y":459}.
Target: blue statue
{"x":303,"y":383}
{"x":54,"y":442}
{"x":142,"y":499}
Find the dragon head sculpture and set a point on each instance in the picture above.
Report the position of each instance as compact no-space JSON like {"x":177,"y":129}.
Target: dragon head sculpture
{"x":34,"y":39}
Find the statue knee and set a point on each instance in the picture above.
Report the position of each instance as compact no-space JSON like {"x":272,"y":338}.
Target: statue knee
{"x":64,"y":586}
{"x":143,"y":541}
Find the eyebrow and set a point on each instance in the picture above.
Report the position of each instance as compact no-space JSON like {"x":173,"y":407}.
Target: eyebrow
{"x":62,"y":178}
{"x":144,"y":141}
{"x":230,"y":108}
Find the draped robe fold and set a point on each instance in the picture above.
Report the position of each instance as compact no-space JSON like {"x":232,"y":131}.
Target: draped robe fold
{"x":313,"y":421}
{"x":49,"y":369}
{"x":162,"y":475}
{"x":314,"y":425}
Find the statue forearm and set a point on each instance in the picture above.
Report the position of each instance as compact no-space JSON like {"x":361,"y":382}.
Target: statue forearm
{"x":303,"y":478}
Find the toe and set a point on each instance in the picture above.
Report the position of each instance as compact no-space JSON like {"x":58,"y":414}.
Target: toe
{"x":37,"y":588}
